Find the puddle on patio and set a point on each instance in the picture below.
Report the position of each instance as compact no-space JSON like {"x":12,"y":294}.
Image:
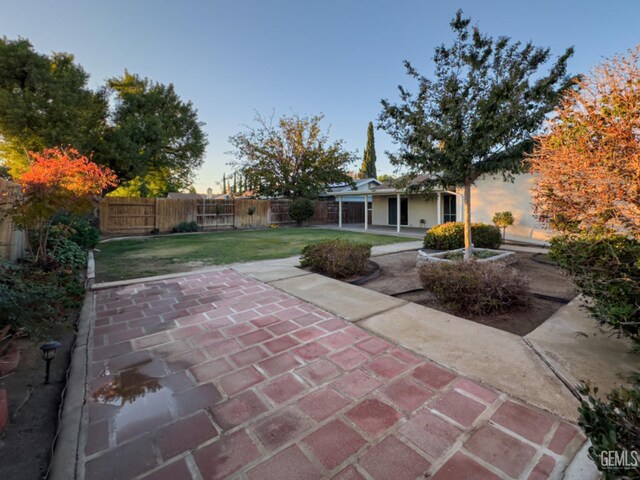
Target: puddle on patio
{"x":140,"y":397}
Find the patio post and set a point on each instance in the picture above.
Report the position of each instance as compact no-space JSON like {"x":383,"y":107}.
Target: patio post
{"x":398,"y":212}
{"x":439,"y":208}
{"x":366,"y":212}
{"x":340,"y":212}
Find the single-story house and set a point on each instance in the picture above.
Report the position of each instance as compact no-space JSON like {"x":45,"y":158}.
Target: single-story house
{"x":361,"y":184}
{"x":391,"y":206}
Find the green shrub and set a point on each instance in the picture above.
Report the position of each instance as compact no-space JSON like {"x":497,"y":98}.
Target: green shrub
{"x":34,"y":300}
{"x":186,"y":227}
{"x":78,"y":230}
{"x":66,"y":253}
{"x":605,"y":268}
{"x":301,"y":210}
{"x":475,"y":288}
{"x":612,"y":425}
{"x":337,"y":258}
{"x":449,"y":236}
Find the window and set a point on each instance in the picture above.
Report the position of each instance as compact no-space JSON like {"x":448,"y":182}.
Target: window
{"x":450,"y":204}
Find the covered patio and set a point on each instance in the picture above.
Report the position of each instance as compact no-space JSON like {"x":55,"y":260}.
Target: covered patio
{"x":391,"y":208}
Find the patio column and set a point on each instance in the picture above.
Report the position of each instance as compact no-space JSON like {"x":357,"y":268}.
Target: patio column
{"x":340,"y":212}
{"x":398,"y":212}
{"x":366,"y":212}
{"x":439,"y":208}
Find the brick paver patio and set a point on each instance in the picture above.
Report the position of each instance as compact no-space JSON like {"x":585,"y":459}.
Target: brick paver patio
{"x":219,"y":376}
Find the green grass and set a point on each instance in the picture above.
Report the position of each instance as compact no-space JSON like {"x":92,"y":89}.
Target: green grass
{"x":143,"y":257}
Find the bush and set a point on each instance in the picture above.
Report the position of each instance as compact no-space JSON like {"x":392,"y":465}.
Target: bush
{"x":79,"y":230}
{"x":612,"y":425}
{"x":450,"y":236}
{"x":337,"y":258}
{"x":605,"y":268}
{"x":67,"y":254}
{"x":186,"y":227}
{"x":475,"y":288}
{"x":34,"y":300}
{"x":301,"y":210}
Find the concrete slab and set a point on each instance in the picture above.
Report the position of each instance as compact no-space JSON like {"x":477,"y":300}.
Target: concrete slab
{"x":395,"y":248}
{"x":272,"y":270}
{"x":579,"y":349}
{"x":492,"y":356}
{"x":347,"y":301}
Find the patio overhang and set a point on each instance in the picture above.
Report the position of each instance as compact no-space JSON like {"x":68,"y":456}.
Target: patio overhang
{"x":388,"y":192}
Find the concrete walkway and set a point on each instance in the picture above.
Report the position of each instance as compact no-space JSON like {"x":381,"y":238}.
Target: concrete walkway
{"x":220,"y":375}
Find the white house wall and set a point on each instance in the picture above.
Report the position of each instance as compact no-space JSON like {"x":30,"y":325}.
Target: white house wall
{"x":418,"y":209}
{"x":491,"y":195}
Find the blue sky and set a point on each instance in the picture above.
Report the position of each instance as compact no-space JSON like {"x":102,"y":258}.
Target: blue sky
{"x":232,"y":58}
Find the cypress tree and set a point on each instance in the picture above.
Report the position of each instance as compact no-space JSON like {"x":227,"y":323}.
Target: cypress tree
{"x":224,"y":183}
{"x":368,"y":169}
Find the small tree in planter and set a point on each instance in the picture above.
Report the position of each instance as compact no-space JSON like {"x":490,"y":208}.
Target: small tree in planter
{"x":251,"y":212}
{"x":503,"y":220}
{"x":58,"y":180}
{"x":477,"y":116}
{"x":301,"y":210}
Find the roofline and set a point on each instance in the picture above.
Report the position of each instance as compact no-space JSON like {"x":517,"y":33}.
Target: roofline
{"x":385,"y":191}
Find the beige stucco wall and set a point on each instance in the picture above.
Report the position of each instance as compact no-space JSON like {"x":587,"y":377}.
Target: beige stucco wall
{"x":418,"y":208}
{"x":491,"y":195}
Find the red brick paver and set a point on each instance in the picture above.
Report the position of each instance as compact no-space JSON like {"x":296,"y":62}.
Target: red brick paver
{"x":218,"y":375}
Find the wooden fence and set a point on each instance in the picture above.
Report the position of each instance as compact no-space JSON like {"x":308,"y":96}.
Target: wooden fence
{"x":13,"y":243}
{"x":122,"y":215}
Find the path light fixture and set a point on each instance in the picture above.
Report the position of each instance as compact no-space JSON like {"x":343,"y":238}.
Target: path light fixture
{"x":48,"y":354}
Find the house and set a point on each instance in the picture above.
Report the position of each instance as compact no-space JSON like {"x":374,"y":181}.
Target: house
{"x":362,"y":184}
{"x":392,"y":206}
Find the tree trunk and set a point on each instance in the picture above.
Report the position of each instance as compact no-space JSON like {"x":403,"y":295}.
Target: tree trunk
{"x":467,"y":222}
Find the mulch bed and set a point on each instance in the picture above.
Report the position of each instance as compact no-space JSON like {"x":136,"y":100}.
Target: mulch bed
{"x":399,"y":277}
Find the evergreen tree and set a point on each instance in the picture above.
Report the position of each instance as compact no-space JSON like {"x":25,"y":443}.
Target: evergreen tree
{"x":235,"y":184}
{"x":368,"y":169}
{"x":224,"y":183}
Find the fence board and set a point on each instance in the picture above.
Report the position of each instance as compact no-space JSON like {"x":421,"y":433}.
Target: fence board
{"x":142,"y":215}
{"x":13,"y":243}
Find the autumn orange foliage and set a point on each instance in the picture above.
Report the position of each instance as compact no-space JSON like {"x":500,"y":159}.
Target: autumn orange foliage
{"x":58,"y":180}
{"x":586,"y":165}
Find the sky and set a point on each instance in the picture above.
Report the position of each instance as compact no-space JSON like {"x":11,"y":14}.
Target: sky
{"x":232,"y":59}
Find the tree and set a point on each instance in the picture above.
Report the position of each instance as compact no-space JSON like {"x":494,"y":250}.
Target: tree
{"x":292,"y":158}
{"x":153,"y":136}
{"x":478,"y":115}
{"x":368,"y":169}
{"x":224,"y":183}
{"x":301,"y":210}
{"x":503,"y":220}
{"x":57,"y":181}
{"x":44,"y":103}
{"x":586,"y":164}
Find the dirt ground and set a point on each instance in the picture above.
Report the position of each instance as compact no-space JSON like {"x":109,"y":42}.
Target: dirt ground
{"x":399,"y":277}
{"x":25,"y":444}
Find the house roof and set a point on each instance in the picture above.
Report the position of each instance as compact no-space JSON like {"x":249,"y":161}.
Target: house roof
{"x":388,"y":188}
{"x":345,"y":187}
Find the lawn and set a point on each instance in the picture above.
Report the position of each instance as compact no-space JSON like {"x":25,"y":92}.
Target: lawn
{"x":143,"y":257}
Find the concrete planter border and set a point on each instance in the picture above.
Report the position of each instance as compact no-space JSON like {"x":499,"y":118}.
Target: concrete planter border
{"x":504,"y":257}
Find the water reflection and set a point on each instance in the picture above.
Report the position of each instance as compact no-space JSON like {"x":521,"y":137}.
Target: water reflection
{"x":141,"y":399}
